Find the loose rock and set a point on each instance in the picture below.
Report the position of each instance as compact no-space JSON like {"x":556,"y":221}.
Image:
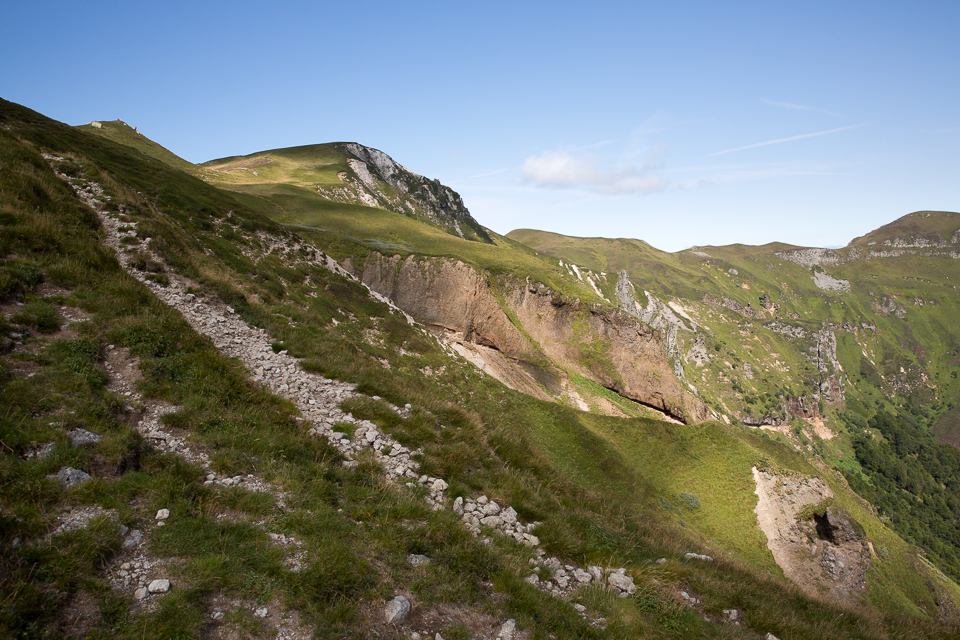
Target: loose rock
{"x":70,"y":477}
{"x":622,"y":582}
{"x":161,"y":585}
{"x":81,"y":437}
{"x":396,"y":610}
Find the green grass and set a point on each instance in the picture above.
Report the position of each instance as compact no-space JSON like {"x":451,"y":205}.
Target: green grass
{"x":122,"y":133}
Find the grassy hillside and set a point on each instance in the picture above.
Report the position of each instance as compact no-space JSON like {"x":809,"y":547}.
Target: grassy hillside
{"x":889,"y":301}
{"x":932,"y":226}
{"x":599,"y":485}
{"x":121,"y":132}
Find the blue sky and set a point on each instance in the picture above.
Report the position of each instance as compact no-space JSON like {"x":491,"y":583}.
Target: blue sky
{"x":679,"y":123}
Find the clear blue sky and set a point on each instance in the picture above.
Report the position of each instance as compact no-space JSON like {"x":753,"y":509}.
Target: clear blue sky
{"x":679,"y":123}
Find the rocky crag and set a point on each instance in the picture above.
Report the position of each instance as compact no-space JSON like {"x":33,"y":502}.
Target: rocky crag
{"x":374,"y":179}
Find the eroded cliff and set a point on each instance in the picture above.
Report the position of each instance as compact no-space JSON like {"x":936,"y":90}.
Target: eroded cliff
{"x":531,"y":337}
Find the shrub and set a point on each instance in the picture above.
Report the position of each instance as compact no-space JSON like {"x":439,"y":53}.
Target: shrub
{"x":690,"y":500}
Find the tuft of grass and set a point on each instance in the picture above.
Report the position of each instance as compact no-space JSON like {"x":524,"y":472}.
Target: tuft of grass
{"x":41,"y":315}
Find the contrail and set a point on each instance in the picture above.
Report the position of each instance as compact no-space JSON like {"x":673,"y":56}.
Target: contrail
{"x":779,"y":140}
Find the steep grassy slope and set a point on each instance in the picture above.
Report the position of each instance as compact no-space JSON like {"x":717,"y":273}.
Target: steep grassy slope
{"x":591,"y":480}
{"x":121,"y":132}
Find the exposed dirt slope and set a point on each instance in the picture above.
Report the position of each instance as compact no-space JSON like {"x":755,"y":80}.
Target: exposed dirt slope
{"x":548,"y":336}
{"x":817,"y":548}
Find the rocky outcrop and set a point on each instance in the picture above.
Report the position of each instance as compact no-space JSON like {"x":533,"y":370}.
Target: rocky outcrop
{"x":625,"y":295}
{"x":825,"y":358}
{"x":606,"y":345}
{"x":826,"y":282}
{"x":656,"y":314}
{"x":812,"y":257}
{"x":378,"y":181}
{"x":447,"y":296}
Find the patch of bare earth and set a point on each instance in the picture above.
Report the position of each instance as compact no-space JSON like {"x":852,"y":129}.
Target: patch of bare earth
{"x":426,"y":623}
{"x":236,"y":619}
{"x":825,"y":555}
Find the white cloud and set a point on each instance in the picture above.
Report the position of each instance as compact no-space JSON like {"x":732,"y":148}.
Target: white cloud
{"x":562,"y":169}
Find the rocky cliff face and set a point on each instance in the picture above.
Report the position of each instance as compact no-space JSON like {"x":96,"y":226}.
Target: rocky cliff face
{"x":605,"y":345}
{"x":378,"y":181}
{"x":608,"y":346}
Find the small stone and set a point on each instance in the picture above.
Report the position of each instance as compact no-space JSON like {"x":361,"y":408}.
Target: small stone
{"x":731,"y":614}
{"x":261,"y":612}
{"x":161,"y":585}
{"x":622,"y":582}
{"x":697,"y":556}
{"x":532,"y":579}
{"x":70,"y":477}
{"x":458,"y":506}
{"x":439,"y":485}
{"x":579,"y":608}
{"x":163,"y":514}
{"x":507,"y":630}
{"x":133,"y":539}
{"x":770,"y":636}
{"x":81,"y":437}
{"x":417,"y":559}
{"x":596,"y":572}
{"x":396,"y":610}
{"x":491,"y":521}
{"x":662,"y":561}
{"x":140,"y":593}
{"x":217,"y":615}
{"x":582,"y":576}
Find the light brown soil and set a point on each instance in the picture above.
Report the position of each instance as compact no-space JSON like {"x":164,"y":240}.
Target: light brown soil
{"x":824,"y":555}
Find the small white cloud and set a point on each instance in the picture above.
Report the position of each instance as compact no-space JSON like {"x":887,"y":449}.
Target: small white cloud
{"x":562,"y":169}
